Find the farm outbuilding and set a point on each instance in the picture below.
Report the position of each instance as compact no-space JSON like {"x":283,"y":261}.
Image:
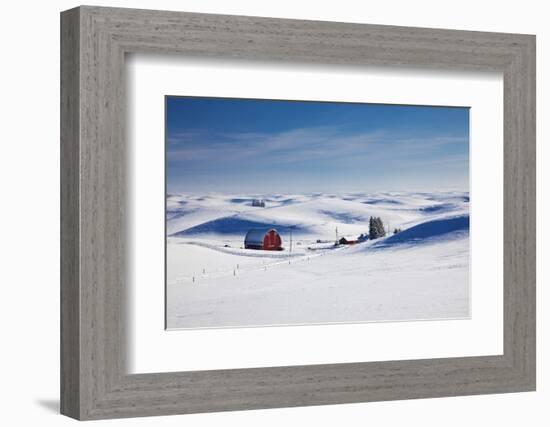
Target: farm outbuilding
{"x":344,"y":241}
{"x":267,"y":239}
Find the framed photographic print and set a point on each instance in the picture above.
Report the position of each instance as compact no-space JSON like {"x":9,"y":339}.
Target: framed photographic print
{"x":262,"y":213}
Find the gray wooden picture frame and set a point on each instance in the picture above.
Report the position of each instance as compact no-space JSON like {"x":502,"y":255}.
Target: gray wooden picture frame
{"x":94,"y":381}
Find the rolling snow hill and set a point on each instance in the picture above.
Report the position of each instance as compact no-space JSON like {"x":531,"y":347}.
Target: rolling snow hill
{"x":421,"y":272}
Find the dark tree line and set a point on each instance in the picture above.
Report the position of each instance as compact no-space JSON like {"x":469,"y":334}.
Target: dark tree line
{"x":376,"y":228}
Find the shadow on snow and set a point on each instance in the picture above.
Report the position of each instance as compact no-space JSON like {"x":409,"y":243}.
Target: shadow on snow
{"x":234,"y":225}
{"x":441,"y":229}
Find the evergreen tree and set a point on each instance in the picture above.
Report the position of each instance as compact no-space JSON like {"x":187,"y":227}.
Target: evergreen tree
{"x":381,"y":230}
{"x":376,"y":228}
{"x":372,"y":229}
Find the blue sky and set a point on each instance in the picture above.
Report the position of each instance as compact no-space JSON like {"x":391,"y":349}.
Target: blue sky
{"x":267,"y":146}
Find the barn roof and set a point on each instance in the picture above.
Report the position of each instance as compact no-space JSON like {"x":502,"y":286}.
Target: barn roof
{"x":255,"y":236}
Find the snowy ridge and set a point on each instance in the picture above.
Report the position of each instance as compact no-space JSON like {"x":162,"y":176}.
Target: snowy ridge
{"x":447,"y":228}
{"x":316,"y":215}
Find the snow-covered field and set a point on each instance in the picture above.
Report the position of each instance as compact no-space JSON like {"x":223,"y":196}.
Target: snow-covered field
{"x":421,"y":272}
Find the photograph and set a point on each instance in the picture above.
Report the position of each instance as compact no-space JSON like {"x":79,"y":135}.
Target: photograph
{"x":294,"y":212}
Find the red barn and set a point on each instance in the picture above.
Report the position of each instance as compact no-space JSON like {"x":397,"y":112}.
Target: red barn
{"x":263,"y":239}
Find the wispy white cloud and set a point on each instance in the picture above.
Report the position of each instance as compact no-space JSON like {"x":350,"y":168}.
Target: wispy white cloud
{"x":324,"y":143}
{"x":202,"y":149}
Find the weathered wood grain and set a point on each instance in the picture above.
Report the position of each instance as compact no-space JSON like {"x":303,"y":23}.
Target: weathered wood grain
{"x":94,"y":382}
{"x":70,"y":220}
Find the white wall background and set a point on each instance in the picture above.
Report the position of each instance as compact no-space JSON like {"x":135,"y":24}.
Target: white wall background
{"x":29,"y":224}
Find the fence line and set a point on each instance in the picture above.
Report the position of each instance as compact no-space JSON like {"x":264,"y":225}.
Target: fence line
{"x":244,"y":269}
